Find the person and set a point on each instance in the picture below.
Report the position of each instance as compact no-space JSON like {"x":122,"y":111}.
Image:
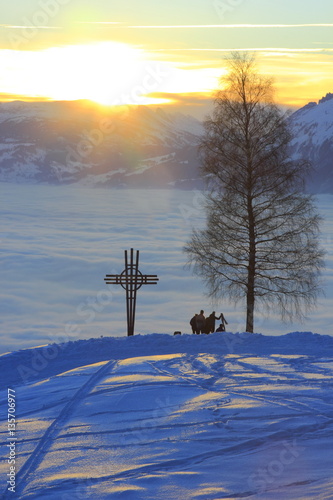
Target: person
{"x":210,"y":323}
{"x":224,"y":322}
{"x":206,"y":326}
{"x":193,"y":323}
{"x":201,"y":320}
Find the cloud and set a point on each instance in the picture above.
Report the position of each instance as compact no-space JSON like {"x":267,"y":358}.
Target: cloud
{"x":245,"y":49}
{"x":123,"y":25}
{"x":231,"y":26}
{"x":4,"y":96}
{"x":27,"y":26}
{"x":99,"y":22}
{"x":195,"y":103}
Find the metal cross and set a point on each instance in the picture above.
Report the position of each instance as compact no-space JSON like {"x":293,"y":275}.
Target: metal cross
{"x":131,"y":279}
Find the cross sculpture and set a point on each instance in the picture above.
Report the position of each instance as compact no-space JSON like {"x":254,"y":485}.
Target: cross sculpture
{"x":131,"y":279}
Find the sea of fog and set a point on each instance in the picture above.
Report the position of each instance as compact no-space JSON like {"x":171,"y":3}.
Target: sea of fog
{"x":58,"y":243}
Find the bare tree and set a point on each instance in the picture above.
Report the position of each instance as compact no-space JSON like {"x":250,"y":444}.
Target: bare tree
{"x":261,"y":240}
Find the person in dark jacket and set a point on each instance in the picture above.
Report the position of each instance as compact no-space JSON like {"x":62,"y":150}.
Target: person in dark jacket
{"x":207,"y":326}
{"x":224,"y":322}
{"x":210,"y":323}
{"x":201,"y":320}
{"x":193,"y":324}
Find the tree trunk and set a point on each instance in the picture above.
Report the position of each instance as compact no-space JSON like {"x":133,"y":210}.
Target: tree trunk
{"x":249,"y":310}
{"x":250,"y":295}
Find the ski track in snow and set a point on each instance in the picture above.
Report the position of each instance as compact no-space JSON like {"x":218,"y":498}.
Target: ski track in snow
{"x":53,"y":430}
{"x":176,"y":426}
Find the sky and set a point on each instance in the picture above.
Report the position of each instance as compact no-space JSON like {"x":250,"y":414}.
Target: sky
{"x":161,"y":52}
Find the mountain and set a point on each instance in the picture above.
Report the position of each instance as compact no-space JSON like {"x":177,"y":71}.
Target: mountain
{"x":135,"y":146}
{"x":71,"y":142}
{"x":313,"y":139}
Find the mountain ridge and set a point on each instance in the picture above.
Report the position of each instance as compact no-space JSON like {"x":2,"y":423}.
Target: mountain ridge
{"x":78,"y":142}
{"x":312,"y":127}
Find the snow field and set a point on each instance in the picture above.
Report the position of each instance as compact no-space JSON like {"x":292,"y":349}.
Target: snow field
{"x":181,"y":425}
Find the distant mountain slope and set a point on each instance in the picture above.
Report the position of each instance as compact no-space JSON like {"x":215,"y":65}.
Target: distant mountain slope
{"x":79,"y":142}
{"x":313,"y":131}
{"x":70,"y":142}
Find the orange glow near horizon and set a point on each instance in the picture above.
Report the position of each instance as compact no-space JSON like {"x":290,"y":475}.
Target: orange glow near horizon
{"x":108,"y":73}
{"x":112,"y":73}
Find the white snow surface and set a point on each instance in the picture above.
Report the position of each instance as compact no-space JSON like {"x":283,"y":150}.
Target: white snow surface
{"x":313,"y":124}
{"x":160,"y":417}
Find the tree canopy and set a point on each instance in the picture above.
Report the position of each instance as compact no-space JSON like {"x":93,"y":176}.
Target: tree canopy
{"x":261,"y":240}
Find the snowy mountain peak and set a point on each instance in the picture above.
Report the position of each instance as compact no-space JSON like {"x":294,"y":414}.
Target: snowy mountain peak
{"x":312,"y":128}
{"x":328,"y":97}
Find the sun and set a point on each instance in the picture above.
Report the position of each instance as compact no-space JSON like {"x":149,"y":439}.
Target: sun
{"x":109,"y":73}
{"x":103,"y":72}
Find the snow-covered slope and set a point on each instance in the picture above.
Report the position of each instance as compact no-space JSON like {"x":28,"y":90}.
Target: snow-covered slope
{"x":166,"y":418}
{"x":313,"y":132}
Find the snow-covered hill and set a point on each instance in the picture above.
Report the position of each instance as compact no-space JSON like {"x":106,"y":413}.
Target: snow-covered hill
{"x":162,"y":417}
{"x":313,"y":131}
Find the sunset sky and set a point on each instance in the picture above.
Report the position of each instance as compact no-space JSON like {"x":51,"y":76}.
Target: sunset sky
{"x":146,"y":51}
